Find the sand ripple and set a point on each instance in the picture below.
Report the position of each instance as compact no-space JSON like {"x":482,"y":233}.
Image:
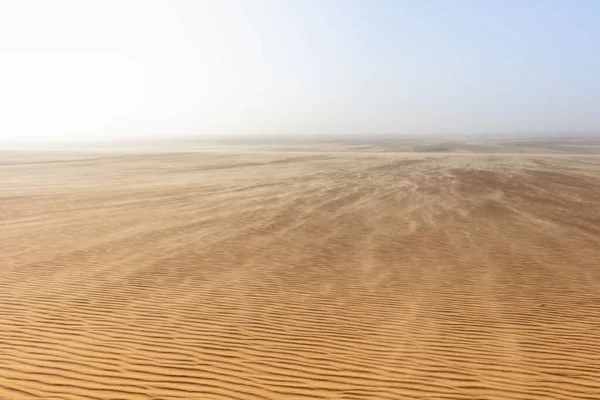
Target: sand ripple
{"x":274,"y":276}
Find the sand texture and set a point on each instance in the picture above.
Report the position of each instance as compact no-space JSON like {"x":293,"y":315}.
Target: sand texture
{"x":218,"y":275}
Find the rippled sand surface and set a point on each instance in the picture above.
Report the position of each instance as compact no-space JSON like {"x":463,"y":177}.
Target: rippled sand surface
{"x":299,"y":276}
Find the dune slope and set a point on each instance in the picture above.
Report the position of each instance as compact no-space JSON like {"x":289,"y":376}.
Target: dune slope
{"x":299,"y":276}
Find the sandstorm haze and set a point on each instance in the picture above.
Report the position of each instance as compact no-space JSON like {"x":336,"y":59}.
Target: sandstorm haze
{"x":86,"y":70}
{"x":293,"y":200}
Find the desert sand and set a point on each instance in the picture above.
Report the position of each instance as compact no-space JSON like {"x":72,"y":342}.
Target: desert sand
{"x":433,"y":274}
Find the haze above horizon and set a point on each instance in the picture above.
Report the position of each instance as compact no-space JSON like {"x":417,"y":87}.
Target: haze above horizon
{"x":122,"y":69}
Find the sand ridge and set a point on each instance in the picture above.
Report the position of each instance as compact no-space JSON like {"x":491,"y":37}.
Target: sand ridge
{"x":299,"y":276}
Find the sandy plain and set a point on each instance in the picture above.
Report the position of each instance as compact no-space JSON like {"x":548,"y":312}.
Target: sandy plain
{"x":431,"y":273}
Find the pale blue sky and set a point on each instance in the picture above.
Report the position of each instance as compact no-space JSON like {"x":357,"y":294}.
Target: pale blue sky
{"x":72,"y":69}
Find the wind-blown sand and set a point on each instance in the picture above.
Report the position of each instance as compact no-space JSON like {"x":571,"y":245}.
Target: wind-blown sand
{"x":299,"y":276}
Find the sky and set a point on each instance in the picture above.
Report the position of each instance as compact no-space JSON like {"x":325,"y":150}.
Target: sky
{"x":96,"y":69}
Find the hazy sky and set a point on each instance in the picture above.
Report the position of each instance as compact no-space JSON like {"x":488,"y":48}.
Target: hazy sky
{"x":100,"y":68}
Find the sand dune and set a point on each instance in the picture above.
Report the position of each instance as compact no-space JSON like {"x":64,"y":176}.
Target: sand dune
{"x":299,"y":276}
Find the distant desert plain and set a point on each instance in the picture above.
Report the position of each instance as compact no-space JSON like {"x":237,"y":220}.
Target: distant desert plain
{"x":341,"y":269}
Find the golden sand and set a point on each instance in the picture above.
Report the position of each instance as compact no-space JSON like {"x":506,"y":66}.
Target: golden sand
{"x":299,"y":276}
